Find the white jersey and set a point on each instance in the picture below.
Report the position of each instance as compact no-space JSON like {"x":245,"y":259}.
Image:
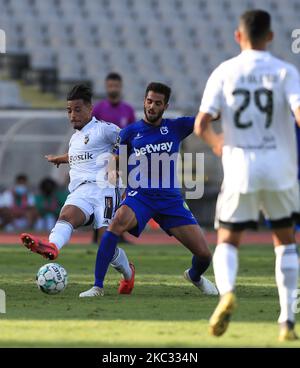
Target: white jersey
{"x":89,"y":150}
{"x":255,"y":94}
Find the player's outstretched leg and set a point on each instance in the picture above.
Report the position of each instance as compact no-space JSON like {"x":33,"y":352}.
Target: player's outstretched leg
{"x":191,"y":237}
{"x":45,"y":249}
{"x":70,"y":217}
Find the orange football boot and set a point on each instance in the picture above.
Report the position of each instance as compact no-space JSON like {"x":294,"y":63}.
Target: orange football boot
{"x":45,"y":249}
{"x":126,"y":286}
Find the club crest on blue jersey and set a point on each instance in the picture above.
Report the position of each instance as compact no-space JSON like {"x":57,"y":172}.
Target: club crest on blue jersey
{"x":138,"y":136}
{"x":86,"y":139}
{"x":164,"y":130}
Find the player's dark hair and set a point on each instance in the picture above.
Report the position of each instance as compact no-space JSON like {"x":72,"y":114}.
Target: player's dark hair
{"x":21,"y":177}
{"x":256,"y":23}
{"x":80,"y":92}
{"x":113,"y":76}
{"x":161,"y":88}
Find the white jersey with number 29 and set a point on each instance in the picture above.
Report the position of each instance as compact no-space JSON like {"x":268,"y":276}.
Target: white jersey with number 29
{"x":255,"y":93}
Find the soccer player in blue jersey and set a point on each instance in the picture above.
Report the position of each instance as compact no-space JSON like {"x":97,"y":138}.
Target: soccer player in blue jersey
{"x":155,"y":135}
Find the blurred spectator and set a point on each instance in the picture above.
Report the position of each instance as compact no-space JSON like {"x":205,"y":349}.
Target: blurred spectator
{"x":17,"y":206}
{"x":48,"y":204}
{"x":113,"y":109}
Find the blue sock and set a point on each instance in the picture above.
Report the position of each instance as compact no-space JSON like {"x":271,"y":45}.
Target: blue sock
{"x":105,"y":255}
{"x":199,"y":266}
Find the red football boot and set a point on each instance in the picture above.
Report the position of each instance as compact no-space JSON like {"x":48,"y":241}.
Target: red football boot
{"x":45,"y":249}
{"x":126,"y":286}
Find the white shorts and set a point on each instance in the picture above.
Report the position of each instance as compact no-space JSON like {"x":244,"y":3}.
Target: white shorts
{"x":96,"y":202}
{"x":238,"y":211}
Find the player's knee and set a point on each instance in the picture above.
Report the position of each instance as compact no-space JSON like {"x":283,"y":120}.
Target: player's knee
{"x":283,"y":236}
{"x":229,"y":236}
{"x":120,"y":223}
{"x":73,"y":215}
{"x":200,"y":248}
{"x":64,"y":217}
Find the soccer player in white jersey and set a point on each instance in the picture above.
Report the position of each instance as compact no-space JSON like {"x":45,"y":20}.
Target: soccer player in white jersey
{"x":254,"y":93}
{"x":89,"y":199}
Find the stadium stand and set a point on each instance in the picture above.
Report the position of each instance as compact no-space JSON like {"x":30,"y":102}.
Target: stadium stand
{"x":175,"y":41}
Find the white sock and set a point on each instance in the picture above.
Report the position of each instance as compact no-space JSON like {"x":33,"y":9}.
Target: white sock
{"x":61,"y":233}
{"x":286,"y":272}
{"x":121,"y":264}
{"x":225,"y":263}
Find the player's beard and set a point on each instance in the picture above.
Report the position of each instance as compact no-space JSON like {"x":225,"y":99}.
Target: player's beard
{"x":78,"y":125}
{"x":154,"y":118}
{"x":114,"y":95}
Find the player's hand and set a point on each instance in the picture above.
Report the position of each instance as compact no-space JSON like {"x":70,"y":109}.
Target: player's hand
{"x":113,"y":177}
{"x":56,"y":160}
{"x":218,"y":147}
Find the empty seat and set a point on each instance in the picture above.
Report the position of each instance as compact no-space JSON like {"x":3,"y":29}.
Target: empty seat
{"x":177,"y":41}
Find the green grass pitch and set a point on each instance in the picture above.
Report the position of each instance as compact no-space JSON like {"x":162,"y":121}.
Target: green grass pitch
{"x":163,"y":311}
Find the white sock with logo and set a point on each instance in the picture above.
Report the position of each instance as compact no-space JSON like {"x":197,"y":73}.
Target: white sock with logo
{"x":286,"y":272}
{"x":225,"y":263}
{"x":61,"y":233}
{"x":121,"y":264}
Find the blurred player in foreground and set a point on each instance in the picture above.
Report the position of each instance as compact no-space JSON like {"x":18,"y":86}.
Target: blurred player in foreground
{"x":254,"y":93}
{"x":87,"y":202}
{"x":154,"y":135}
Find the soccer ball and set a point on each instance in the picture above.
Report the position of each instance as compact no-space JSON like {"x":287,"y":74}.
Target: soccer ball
{"x":52,"y":278}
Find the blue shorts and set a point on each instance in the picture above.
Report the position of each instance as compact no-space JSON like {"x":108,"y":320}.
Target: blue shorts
{"x":168,"y":212}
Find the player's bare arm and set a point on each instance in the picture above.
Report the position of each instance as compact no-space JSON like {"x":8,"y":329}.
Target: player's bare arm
{"x":112,"y":169}
{"x":204,"y":130}
{"x":297,"y":115}
{"x":58,"y":159}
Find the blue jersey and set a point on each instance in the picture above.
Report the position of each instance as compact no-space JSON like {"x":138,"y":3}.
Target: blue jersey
{"x":146,"y":141}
